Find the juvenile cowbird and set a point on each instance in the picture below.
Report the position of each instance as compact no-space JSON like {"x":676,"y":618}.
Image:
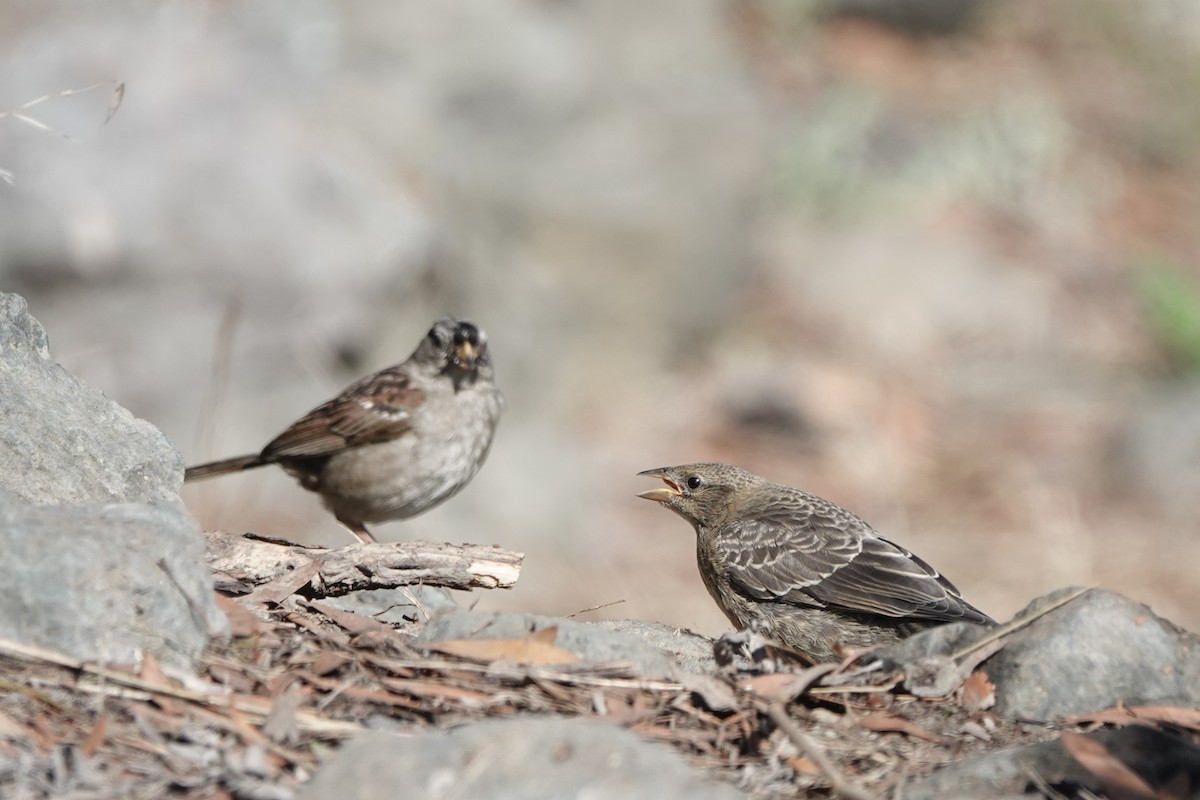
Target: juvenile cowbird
{"x":812,"y":575}
{"x":397,"y":442}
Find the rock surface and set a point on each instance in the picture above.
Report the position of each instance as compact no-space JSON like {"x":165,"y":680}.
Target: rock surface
{"x":107,"y":582}
{"x":1095,"y":651}
{"x":521,"y":759}
{"x":690,"y":651}
{"x":61,"y":441}
{"x":104,"y":561}
{"x":402,"y":605}
{"x":654,"y":650}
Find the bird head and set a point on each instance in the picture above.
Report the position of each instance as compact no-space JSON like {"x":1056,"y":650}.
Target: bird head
{"x":706,"y":495}
{"x":456,"y":348}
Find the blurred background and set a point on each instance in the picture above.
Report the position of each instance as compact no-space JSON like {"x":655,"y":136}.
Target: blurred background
{"x":936,"y":260}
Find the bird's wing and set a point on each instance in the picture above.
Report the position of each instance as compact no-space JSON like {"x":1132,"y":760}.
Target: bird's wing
{"x":835,"y":560}
{"x":887,"y":579}
{"x":376,"y":409}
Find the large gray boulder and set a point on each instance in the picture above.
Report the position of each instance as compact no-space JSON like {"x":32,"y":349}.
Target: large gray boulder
{"x":535,"y":758}
{"x":107,"y":582}
{"x":61,"y":441}
{"x":104,"y":562}
{"x":1090,"y":654}
{"x":1095,"y":651}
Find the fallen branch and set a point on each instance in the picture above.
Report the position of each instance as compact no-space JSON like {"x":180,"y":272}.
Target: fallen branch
{"x":276,"y":569}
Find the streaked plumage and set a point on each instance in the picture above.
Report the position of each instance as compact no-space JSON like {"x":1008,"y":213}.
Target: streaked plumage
{"x":812,"y":574}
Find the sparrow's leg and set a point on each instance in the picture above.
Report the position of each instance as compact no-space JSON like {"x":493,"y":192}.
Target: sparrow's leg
{"x":359,"y":530}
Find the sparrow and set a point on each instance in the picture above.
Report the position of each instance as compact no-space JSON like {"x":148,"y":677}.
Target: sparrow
{"x":804,"y":571}
{"x":397,"y":442}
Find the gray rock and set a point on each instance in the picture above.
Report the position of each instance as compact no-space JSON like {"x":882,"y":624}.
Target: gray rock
{"x":61,"y":441}
{"x":590,"y":641}
{"x":1160,"y":759}
{"x":1092,"y":652}
{"x":520,"y":759}
{"x":107,"y":582}
{"x":18,"y":329}
{"x":690,"y":651}
{"x":940,"y":641}
{"x":416,"y":603}
{"x":106,"y":563}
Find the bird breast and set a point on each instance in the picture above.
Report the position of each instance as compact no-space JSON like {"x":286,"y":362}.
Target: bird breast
{"x":450,"y":438}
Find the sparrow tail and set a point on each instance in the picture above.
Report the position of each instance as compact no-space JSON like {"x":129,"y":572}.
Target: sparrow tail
{"x":222,"y":467}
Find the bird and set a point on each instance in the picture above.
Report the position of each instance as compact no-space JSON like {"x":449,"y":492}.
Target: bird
{"x":397,"y":442}
{"x":803,"y":570}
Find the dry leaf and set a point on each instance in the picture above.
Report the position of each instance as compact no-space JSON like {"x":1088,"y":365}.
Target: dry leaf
{"x":715,"y":694}
{"x":95,"y":738}
{"x":977,"y":692}
{"x":1115,"y":777}
{"x":1118,"y":715}
{"x":438,"y":691}
{"x":152,"y":673}
{"x":803,"y":766}
{"x":1172,"y":715}
{"x":232,"y":677}
{"x":381,"y":696}
{"x":280,"y":725}
{"x":10,"y":729}
{"x":1140,"y":715}
{"x":537,"y":649}
{"x":768,"y":686}
{"x":241,"y":621}
{"x":890,"y":723}
{"x":973,"y":728}
{"x":784,"y":687}
{"x":329,"y":662}
{"x":43,"y":734}
{"x":286,"y":585}
{"x":349,"y":620}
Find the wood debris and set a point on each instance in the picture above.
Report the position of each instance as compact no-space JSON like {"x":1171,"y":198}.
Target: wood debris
{"x":299,"y":676}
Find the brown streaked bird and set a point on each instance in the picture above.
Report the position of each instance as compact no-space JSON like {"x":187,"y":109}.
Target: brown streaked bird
{"x":814,"y":576}
{"x":397,"y":442}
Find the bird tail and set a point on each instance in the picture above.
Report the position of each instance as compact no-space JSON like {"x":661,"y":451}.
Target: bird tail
{"x":223,"y":467}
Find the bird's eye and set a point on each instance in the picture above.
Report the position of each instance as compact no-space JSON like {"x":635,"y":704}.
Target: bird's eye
{"x":694,"y":482}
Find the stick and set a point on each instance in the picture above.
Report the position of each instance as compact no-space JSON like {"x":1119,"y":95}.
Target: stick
{"x":810,"y":748}
{"x":361,"y":566}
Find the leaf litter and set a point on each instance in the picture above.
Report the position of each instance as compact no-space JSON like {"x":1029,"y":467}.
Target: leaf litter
{"x":299,"y":677}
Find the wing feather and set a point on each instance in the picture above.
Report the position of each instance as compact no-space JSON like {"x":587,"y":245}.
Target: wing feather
{"x":810,"y":552}
{"x":376,"y":409}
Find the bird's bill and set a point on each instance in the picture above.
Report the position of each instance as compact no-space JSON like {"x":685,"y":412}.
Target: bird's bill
{"x":465,"y":354}
{"x":664,"y":494}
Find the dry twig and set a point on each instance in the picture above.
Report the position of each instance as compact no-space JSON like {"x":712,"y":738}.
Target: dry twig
{"x":810,"y":748}
{"x":286,"y":568}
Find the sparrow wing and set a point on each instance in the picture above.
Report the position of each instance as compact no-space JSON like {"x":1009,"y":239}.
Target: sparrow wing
{"x":376,"y":409}
{"x":817,"y":554}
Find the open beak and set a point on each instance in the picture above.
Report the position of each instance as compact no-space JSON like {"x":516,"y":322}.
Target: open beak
{"x":663,"y":494}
